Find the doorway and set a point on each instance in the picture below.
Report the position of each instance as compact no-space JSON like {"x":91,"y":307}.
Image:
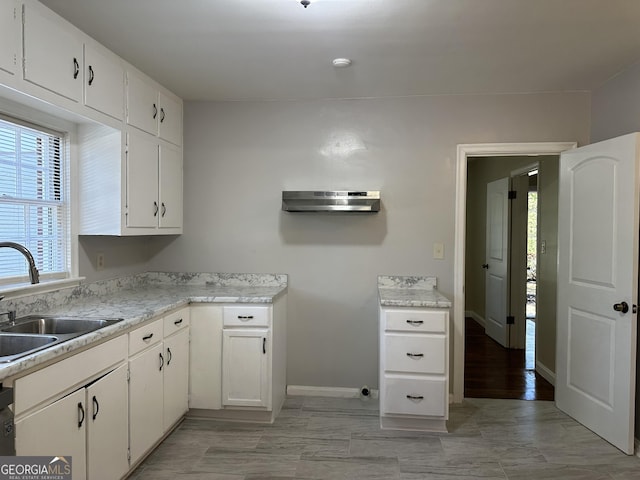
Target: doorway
{"x":465,"y":152}
{"x":500,"y":279}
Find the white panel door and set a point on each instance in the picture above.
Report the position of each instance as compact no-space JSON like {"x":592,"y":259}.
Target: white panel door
{"x":245,"y":377}
{"x":497,"y":261}
{"x":143,"y":208}
{"x":597,"y":270}
{"x":108,"y":425}
{"x":57,"y":430}
{"x":170,"y":181}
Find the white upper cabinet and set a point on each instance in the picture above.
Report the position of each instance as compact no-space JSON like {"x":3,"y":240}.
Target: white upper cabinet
{"x":9,"y":35}
{"x":170,"y":119}
{"x":53,"y":53}
{"x":152,"y":110}
{"x":170,"y":188}
{"x":103,"y":82}
{"x":142,"y":182}
{"x":142,"y":104}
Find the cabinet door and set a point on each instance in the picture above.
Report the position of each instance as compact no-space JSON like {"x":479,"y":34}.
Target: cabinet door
{"x":108,"y":425}
{"x":142,"y":182}
{"x":57,"y":430}
{"x":245,"y":356}
{"x":142,"y":104}
{"x":170,"y":188}
{"x":176,"y":377}
{"x":9,"y":35}
{"x":170,"y":119}
{"x":145,"y":400}
{"x":104,"y":82}
{"x":52,"y":53}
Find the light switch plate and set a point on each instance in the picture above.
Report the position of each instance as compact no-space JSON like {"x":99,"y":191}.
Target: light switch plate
{"x":438,"y":251}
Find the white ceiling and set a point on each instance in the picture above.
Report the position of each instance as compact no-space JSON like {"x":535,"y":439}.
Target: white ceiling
{"x":276,"y":49}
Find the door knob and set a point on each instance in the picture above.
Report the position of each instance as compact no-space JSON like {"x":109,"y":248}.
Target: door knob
{"x":622,"y":307}
{"x":485,"y":266}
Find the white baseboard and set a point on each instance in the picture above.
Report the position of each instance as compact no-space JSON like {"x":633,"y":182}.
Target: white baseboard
{"x":336,"y":392}
{"x":476,"y":317}
{"x":545,"y":373}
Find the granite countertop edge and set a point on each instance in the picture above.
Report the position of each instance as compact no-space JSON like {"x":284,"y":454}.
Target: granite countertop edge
{"x":136,"y":308}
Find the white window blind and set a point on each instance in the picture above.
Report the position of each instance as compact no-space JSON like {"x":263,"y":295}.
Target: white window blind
{"x":34,"y":209}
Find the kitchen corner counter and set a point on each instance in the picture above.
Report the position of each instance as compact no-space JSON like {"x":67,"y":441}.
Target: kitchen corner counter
{"x":136,"y":299}
{"x":421,"y":292}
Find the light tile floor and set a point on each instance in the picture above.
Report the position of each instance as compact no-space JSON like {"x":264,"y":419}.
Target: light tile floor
{"x":328,"y":438}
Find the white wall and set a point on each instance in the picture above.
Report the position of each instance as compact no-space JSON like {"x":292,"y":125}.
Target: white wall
{"x":616,"y":106}
{"x":240,"y":156}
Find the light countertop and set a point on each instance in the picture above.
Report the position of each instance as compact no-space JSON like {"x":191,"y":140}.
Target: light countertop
{"x":137,"y":299}
{"x":420,"y":292}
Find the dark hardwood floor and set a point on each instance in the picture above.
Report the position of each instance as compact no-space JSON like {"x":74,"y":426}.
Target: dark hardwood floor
{"x":492,"y":371}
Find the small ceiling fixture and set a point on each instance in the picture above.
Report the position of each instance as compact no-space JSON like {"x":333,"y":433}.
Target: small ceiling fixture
{"x":341,"y":62}
{"x":305,"y":3}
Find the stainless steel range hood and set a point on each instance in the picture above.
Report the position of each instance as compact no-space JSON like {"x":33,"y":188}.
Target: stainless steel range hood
{"x":357,"y":201}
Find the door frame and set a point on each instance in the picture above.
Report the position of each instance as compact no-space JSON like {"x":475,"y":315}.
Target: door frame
{"x":463,"y":152}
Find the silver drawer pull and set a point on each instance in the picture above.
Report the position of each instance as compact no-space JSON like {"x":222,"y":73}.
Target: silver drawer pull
{"x":415,"y":355}
{"x":415,"y":322}
{"x":245,"y":317}
{"x":415,"y":397}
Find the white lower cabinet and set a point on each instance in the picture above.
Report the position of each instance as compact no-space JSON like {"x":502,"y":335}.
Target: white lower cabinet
{"x":56,"y":430}
{"x":414,"y":368}
{"x":88,"y":421}
{"x":159,"y":379}
{"x":176,"y":377}
{"x":245,"y":363}
{"x":107,"y":422}
{"x":145,"y":400}
{"x":238,"y":360}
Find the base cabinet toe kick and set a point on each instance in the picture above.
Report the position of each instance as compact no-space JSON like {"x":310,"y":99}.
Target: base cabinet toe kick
{"x":414,"y":368}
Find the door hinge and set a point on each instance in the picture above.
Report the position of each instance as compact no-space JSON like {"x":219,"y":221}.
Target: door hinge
{"x":511,"y":320}
{"x":512,"y":194}
{"x":129,"y":454}
{"x":128,"y":374}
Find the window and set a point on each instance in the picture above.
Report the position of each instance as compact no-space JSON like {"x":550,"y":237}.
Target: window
{"x":34,"y":207}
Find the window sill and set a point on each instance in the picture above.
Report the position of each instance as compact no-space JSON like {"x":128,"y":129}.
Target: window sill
{"x":17,"y":290}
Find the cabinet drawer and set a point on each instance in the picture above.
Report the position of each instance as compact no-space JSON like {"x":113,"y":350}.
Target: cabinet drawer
{"x":414,"y":396}
{"x":415,"y":353}
{"x":245,"y":316}
{"x":416,"y":320}
{"x":145,"y":336}
{"x":176,"y":321}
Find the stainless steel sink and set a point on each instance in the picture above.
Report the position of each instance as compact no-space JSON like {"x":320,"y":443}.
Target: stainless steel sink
{"x":15,"y":346}
{"x":50,"y":325}
{"x":36,"y":332}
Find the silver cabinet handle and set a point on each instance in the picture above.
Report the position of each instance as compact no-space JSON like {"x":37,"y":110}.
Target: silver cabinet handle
{"x":415,"y":355}
{"x":415,"y":397}
{"x":415,"y":322}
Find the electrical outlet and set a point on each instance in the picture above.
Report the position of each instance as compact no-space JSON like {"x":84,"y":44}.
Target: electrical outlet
{"x":100,"y":261}
{"x":438,"y":251}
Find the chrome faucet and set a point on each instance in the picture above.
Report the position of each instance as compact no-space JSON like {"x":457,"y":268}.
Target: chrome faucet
{"x":11,"y":315}
{"x":34,"y":275}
